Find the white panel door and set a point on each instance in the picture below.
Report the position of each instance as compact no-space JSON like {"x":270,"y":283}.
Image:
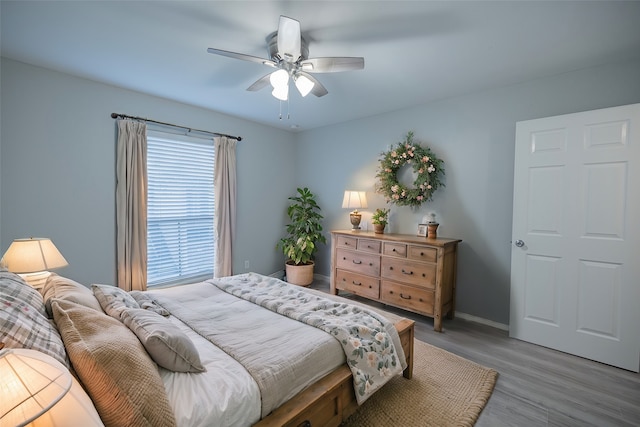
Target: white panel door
{"x":575,"y":262}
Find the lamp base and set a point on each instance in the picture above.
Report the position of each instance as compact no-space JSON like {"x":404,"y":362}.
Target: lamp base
{"x":36,"y":280}
{"x":355,"y":219}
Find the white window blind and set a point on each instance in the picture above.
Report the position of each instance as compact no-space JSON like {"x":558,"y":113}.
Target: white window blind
{"x":180,"y":209}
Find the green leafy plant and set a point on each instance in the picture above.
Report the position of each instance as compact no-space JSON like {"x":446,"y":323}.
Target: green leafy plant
{"x":304,"y":230}
{"x":380,"y":216}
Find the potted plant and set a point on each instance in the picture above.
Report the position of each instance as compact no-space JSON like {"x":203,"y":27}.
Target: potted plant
{"x":379,"y":220}
{"x":303,"y":233}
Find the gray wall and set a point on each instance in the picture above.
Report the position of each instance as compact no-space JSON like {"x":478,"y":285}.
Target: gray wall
{"x":57,"y":175}
{"x":57,"y":171}
{"x":474,"y":135}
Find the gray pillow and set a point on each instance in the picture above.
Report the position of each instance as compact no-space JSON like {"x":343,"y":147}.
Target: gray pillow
{"x":113,"y":300}
{"x":167,"y":345}
{"x":147,"y":302}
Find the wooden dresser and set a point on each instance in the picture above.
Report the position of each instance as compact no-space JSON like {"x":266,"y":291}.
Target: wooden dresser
{"x":410,"y":272}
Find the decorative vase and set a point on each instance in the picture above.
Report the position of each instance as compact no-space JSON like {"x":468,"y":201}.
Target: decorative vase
{"x":378,"y":228}
{"x":432,"y":230}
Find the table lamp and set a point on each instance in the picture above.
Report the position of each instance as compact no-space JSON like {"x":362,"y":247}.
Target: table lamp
{"x":354,"y":200}
{"x":32,"y":258}
{"x":31,"y":383}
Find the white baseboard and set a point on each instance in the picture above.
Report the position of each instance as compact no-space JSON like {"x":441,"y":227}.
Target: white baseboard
{"x":481,"y":320}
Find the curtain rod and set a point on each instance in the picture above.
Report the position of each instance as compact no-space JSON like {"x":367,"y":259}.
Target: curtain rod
{"x":124,"y":116}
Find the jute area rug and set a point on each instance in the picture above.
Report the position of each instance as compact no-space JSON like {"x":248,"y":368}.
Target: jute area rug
{"x":446,"y":390}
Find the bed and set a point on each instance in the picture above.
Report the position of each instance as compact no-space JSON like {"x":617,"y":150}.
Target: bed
{"x":238,"y":351}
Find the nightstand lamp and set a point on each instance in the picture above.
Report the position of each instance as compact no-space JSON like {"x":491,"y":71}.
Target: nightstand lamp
{"x":31,"y":383}
{"x":32,"y":258}
{"x":354,"y":200}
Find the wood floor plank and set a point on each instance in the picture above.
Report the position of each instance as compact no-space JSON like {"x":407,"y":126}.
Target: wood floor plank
{"x":536,"y":386}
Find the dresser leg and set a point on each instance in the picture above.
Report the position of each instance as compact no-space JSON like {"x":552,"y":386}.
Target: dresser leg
{"x":437,"y":323}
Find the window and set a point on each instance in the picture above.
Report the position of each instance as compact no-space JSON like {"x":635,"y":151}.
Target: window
{"x":180,"y":209}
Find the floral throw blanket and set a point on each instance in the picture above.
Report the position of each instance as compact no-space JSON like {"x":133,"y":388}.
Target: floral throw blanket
{"x":363,"y":334}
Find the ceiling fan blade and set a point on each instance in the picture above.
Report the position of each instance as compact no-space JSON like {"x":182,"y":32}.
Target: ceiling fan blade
{"x":242,"y":56}
{"x":289,"y":39}
{"x":318,"y":90}
{"x":261,"y":83}
{"x":332,"y":64}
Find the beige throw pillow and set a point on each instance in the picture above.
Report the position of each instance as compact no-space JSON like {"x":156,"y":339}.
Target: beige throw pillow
{"x":116,"y":371}
{"x":58,"y":287}
{"x":167,"y":345}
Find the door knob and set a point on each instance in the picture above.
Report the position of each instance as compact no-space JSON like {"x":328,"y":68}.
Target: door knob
{"x":519,"y":243}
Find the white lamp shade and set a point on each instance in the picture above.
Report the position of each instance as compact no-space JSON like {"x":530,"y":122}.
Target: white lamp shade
{"x":33,"y":255}
{"x":281,"y":93}
{"x":279,"y":79}
{"x":354,"y":200}
{"x":304,"y":85}
{"x":31,"y":383}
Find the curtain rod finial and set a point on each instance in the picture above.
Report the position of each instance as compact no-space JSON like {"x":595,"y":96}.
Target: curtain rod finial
{"x":114,"y":115}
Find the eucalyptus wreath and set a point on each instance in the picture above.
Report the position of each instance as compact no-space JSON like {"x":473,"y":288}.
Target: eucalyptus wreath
{"x":428,"y":168}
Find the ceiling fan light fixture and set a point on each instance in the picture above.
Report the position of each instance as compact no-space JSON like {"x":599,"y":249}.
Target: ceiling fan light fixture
{"x":281,"y":92}
{"x":303,"y":84}
{"x":279,"y":79}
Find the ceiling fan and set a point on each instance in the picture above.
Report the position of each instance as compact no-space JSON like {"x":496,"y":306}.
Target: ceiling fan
{"x":289,"y":54}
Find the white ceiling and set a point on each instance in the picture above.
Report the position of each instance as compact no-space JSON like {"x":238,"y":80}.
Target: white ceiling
{"x":415,"y":51}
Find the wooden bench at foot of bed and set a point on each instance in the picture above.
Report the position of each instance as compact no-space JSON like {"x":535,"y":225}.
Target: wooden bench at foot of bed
{"x":332,"y":400}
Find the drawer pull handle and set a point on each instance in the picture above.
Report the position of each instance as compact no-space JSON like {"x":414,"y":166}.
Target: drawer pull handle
{"x":403,"y":297}
{"x":409,"y":273}
{"x":305,"y":423}
{"x":357,"y":262}
{"x":393,"y":250}
{"x":357,"y":283}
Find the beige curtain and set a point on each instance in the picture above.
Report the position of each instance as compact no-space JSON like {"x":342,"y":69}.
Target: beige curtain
{"x":131,"y":205}
{"x":225,"y":212}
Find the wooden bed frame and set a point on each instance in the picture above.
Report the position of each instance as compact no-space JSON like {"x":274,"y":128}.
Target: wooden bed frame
{"x":332,"y":399}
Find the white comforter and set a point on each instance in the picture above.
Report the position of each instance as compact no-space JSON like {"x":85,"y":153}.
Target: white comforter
{"x":226,"y":394}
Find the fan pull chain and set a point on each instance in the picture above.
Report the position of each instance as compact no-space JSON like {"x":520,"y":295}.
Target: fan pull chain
{"x":288,"y":113}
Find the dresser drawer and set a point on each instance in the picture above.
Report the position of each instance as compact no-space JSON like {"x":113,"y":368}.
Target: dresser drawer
{"x":358,"y":284}
{"x":422,"y":253}
{"x":416,"y":273}
{"x":347,"y":242}
{"x":415,"y":299}
{"x":395,"y":249}
{"x":358,"y":262}
{"x":368,"y":245}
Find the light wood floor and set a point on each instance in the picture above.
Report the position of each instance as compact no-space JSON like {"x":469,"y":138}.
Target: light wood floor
{"x":536,"y":386}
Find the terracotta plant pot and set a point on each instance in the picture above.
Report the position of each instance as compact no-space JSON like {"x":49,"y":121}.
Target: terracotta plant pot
{"x":301,"y":275}
{"x":379,"y":228}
